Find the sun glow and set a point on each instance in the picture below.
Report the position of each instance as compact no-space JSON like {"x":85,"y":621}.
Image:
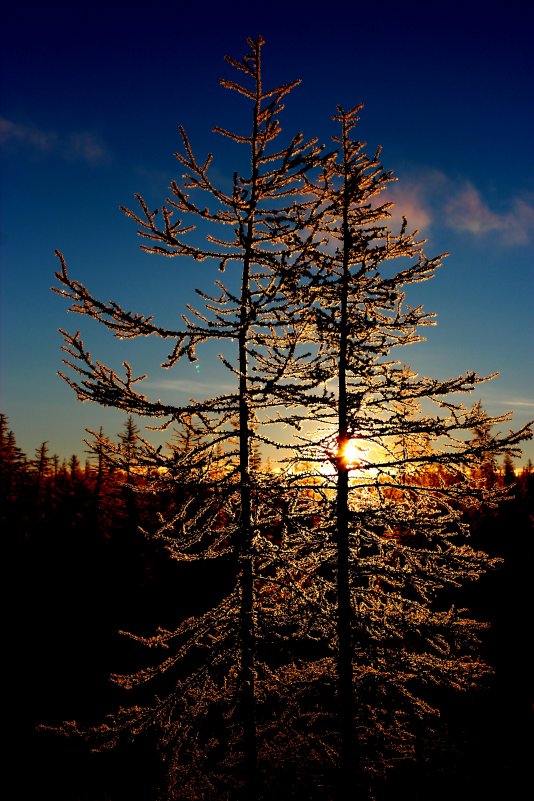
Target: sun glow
{"x":354,"y":454}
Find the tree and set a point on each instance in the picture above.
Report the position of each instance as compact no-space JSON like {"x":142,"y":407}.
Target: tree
{"x":508,"y":474}
{"x":41,"y":462}
{"x":106,"y":495}
{"x":398,"y":539}
{"x":12,"y":460}
{"x":13,"y":478}
{"x":41,"y":466}
{"x":270,"y":236}
{"x":129,"y":439}
{"x":335,"y":573}
{"x":487,"y":467}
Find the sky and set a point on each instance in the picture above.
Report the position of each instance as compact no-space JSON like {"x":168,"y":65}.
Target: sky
{"x":92,"y":96}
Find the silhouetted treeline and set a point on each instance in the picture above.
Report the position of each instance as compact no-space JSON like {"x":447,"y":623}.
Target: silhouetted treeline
{"x":83,"y":571}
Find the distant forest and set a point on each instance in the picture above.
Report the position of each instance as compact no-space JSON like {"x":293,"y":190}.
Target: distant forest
{"x":84,"y":571}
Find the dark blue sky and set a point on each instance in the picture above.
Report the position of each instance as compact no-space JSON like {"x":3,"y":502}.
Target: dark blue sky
{"x":91,"y":100}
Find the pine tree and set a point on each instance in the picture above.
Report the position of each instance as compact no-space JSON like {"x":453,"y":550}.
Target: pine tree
{"x":12,"y":459}
{"x":269,"y":238}
{"x":487,"y":465}
{"x":105,"y":491}
{"x":129,"y":439}
{"x":398,"y":538}
{"x":333,"y":575}
{"x":75,"y":470}
{"x":41,"y":467}
{"x":13,"y":479}
{"x":42,"y":462}
{"x":526,"y":481}
{"x":508,"y":471}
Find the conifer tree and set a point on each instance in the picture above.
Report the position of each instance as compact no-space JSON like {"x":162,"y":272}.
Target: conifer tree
{"x":41,"y":462}
{"x":268,"y":238}
{"x":105,"y":492}
{"x":12,"y":459}
{"x":508,"y":472}
{"x":41,"y":465}
{"x":340,"y":554}
{"x":13,"y":477}
{"x":75,"y":467}
{"x":398,"y":539}
{"x":129,"y":439}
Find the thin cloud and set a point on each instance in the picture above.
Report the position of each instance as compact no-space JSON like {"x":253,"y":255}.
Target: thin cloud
{"x":191,"y":387}
{"x":86,"y":147}
{"x":520,"y":229}
{"x":416,"y":197}
{"x":14,"y":133}
{"x":500,"y":403}
{"x":410,"y":202}
{"x":524,"y":404}
{"x":466,"y":211}
{"x":430,"y":198}
{"x":80,"y":146}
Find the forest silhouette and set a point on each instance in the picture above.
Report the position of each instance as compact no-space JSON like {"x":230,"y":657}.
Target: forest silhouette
{"x":84,"y":572}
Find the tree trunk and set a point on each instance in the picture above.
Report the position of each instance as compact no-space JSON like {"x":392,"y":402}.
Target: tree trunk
{"x":344,"y":610}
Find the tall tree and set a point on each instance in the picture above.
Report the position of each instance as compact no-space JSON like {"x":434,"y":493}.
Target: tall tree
{"x":508,"y":473}
{"x":378,"y":533}
{"x":13,"y":478}
{"x":399,"y":539}
{"x":268,"y":242}
{"x":129,"y":441}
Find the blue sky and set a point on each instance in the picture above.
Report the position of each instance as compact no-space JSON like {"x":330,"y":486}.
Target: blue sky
{"x":91,"y":100}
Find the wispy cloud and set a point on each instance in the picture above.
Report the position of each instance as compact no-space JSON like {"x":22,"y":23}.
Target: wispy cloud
{"x":12,"y":132}
{"x":191,"y":387}
{"x":498,"y":402}
{"x":86,"y":147}
{"x":430,"y":198}
{"x":523,"y":404}
{"x":410,"y":202}
{"x":467,"y":211}
{"x":80,"y":146}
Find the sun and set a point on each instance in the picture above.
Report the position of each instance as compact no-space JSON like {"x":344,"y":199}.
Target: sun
{"x":354,"y":453}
